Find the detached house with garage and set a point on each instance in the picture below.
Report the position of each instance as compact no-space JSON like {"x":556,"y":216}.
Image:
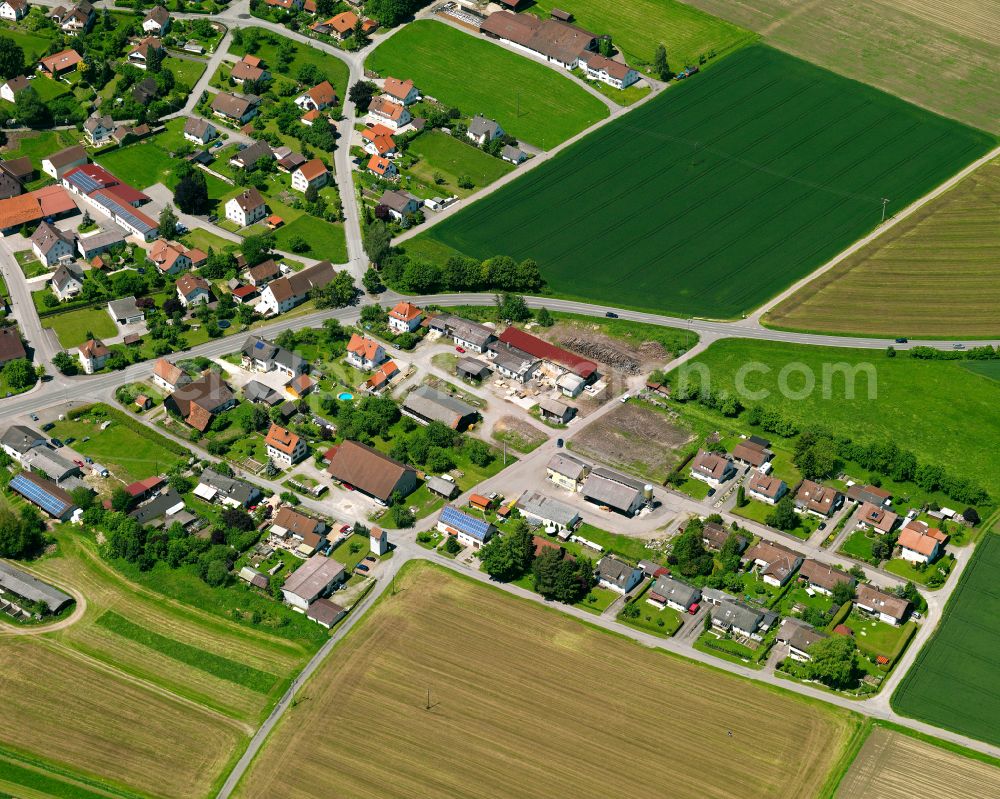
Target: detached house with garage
{"x":921,"y":543}
{"x":712,"y":468}
{"x":364,"y":353}
{"x":157,"y":21}
{"x":193,"y":290}
{"x":817,"y":499}
{"x":93,"y":356}
{"x":482,"y":130}
{"x":50,"y":245}
{"x":198,"y":402}
{"x":199,"y":131}
{"x":98,"y":129}
{"x":885,"y":607}
{"x":731,"y":615}
{"x":284,"y":447}
{"x":798,"y":637}
{"x":618,"y":575}
{"x":235,"y":108}
{"x":318,"y":98}
{"x":667,"y":592}
{"x":775,"y":563}
{"x":469,"y":530}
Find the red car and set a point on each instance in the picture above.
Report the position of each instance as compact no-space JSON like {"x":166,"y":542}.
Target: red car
{"x":78,"y":462}
{"x":346,"y":528}
{"x":459,"y":349}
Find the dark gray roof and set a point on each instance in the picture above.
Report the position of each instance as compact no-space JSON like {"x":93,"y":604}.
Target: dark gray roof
{"x":253,"y":153}
{"x":732,"y":613}
{"x":674,"y":590}
{"x":614,"y":570}
{"x":568,"y":465}
{"x":611,"y":488}
{"x":157,"y":506}
{"x":255,"y":391}
{"x":21,"y":438}
{"x":439,"y":485}
{"x":31,"y":588}
{"x":799,"y":635}
{"x":397,"y":200}
{"x":429,"y":403}
{"x":472,"y":366}
{"x":238,"y":490}
{"x":48,"y":462}
{"x":480,"y":126}
{"x":124,"y":308}
{"x":473,"y":332}
{"x":511,"y":152}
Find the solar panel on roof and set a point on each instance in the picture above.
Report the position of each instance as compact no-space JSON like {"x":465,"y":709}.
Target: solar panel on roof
{"x":125,"y":212}
{"x":50,"y":504}
{"x":469,"y":524}
{"x":259,"y":345}
{"x":85,"y":182}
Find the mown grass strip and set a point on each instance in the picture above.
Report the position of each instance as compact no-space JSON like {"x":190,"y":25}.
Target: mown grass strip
{"x":39,"y":775}
{"x":216,"y":665}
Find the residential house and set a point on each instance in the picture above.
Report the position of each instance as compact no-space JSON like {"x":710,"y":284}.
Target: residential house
{"x":378,"y":141}
{"x":383,"y":168}
{"x":470,"y":531}
{"x":50,"y":245}
{"x":370,"y":472}
{"x":146,"y":90}
{"x":765,"y":487}
{"x":314,"y":579}
{"x":234,"y":107}
{"x":126,"y":311}
{"x":289,"y":523}
{"x":401,"y":204}
{"x":364,"y":353}
{"x":52,"y":499}
{"x":246,"y":207}
{"x":513,"y":155}
{"x":284,"y":447}
{"x":318,"y":98}
{"x":263,"y":273}
{"x":94,"y":244}
{"x":482,"y":130}
{"x":552,"y":410}
{"x":13,"y":10}
{"x":712,"y":468}
{"x":617,"y":575}
{"x":261,"y":355}
{"x":798,"y":637}
{"x":731,"y":615}
{"x":671,"y":593}
{"x":290,"y":6}
{"x":714,"y":536}
{"x":172,"y":258}
{"x":553,"y":40}
{"x":877,"y":518}
{"x":58,"y":64}
{"x":383,"y":110}
{"x":169,"y":376}
{"x":93,"y":355}
{"x":199,"y":130}
{"x":255,"y":391}
{"x":11,"y":346}
{"x":193,"y":290}
{"x":885,"y":607}
{"x":156,"y":22}
{"x":551,"y":513}
{"x":607,"y":70}
{"x":18,"y":439}
{"x":162,"y":511}
{"x":426,"y":404}
{"x":400,"y":91}
{"x":229,"y":491}
{"x":249,"y":156}
{"x":199,"y":401}
{"x":248,"y":68}
{"x":10,"y":89}
{"x":752,"y":451}
{"x":312,"y":174}
{"x":381,"y":377}
{"x":58,"y":164}
{"x":76,"y":20}
{"x":342,"y":25}
{"x":465,"y":334}
{"x":817,"y":499}
{"x":609,"y":489}
{"x":141,"y":53}
{"x":921,"y":543}
{"x":378,"y":541}
{"x":285,"y":293}
{"x":823,"y":578}
{"x":873,"y":495}
{"x":775,"y":563}
{"x":405,"y":317}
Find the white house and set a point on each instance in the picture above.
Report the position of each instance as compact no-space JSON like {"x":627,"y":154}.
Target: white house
{"x":93,"y":356}
{"x":13,"y":10}
{"x":798,"y":637}
{"x":405,"y":317}
{"x":886,"y":607}
{"x":199,"y":130}
{"x":618,"y":575}
{"x":614,"y":73}
{"x":193,"y":290}
{"x":383,"y":110}
{"x":920,"y":543}
{"x":9,"y":90}
{"x":315,"y":578}
{"x":65,"y":283}
{"x":399,"y":91}
{"x":712,"y":468}
{"x":285,"y":293}
{"x":671,"y":593}
{"x":482,"y":130}
{"x":364,"y":353}
{"x":157,"y":21}
{"x":50,"y":245}
{"x":169,"y":376}
{"x":98,"y":129}
{"x":765,"y":487}
{"x":246,"y":207}
{"x":378,"y":541}
{"x":18,"y":440}
{"x":284,"y":447}
{"x":312,"y":173}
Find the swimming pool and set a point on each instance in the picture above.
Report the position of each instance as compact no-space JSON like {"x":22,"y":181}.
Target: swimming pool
{"x":344,"y":396}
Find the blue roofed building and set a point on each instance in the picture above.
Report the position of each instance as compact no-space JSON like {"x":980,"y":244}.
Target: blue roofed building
{"x":470,"y":530}
{"x":52,"y":499}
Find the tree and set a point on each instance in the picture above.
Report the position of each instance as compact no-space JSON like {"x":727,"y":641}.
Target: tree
{"x":298,"y":244}
{"x":834,"y":661}
{"x":20,"y":533}
{"x":660,"y":65}
{"x":11,"y":58}
{"x":377,"y":242}
{"x":451,"y":545}
{"x":30,"y":111}
{"x":191,"y":194}
{"x":507,"y":557}
{"x":479,"y":452}
{"x":372,"y":282}
{"x":843,"y":592}
{"x":605,"y":47}
{"x":121,"y":500}
{"x":512,"y":308}
{"x":337,"y":293}
{"x":544,"y":318}
{"x":559,"y":578}
{"x":741,"y":497}
{"x":257,"y":248}
{"x":689,"y":552}
{"x":168,"y":222}
{"x":66,"y":363}
{"x":19,"y":373}
{"x":237,"y":519}
{"x":783,"y":516}
{"x":361,"y":93}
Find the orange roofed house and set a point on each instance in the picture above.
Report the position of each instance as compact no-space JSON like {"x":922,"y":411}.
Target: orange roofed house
{"x":284,"y":447}
{"x":318,"y":98}
{"x":378,"y":140}
{"x":405,"y":318}
{"x":381,"y":377}
{"x":382,"y":167}
{"x":385,"y":111}
{"x":312,"y":174}
{"x":400,"y":91}
{"x":921,"y":543}
{"x":60,"y":63}
{"x":364,"y":353}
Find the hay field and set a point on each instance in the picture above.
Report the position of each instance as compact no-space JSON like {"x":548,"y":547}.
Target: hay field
{"x":892,"y":765}
{"x":941,"y":56}
{"x":529,"y":703}
{"x":717,"y":194}
{"x":90,"y":719}
{"x":106,"y":590}
{"x":935,"y":274}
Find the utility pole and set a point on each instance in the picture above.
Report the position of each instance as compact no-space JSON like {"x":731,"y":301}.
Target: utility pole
{"x":885,"y":202}
{"x":428,"y":705}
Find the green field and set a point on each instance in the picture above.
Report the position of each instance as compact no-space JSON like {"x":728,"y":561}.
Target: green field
{"x":33,"y":45}
{"x":440,"y":153}
{"x":938,"y":273}
{"x":638,"y":26}
{"x":941,"y":412}
{"x":327,"y":240}
{"x":719,"y":193}
{"x":38,"y":145}
{"x":990,"y":369}
{"x":530,"y":101}
{"x":72,"y":327}
{"x":952,"y":683}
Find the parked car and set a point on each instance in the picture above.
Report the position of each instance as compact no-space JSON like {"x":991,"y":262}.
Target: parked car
{"x":371,"y":559}
{"x":459,"y":349}
{"x":345,"y":528}
{"x":361,"y":568}
{"x":34,"y":417}
{"x":78,"y":462}
{"x":70,"y":440}
{"x":56,"y":443}
{"x":47,"y":426}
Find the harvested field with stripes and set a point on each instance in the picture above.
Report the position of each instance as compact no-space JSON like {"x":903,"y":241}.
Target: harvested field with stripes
{"x":717,"y":194}
{"x":526,"y":702}
{"x":936,"y":274}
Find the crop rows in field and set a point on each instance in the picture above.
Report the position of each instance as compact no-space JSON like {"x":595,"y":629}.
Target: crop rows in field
{"x":934,"y":274}
{"x":719,"y":193}
{"x":952,"y":683}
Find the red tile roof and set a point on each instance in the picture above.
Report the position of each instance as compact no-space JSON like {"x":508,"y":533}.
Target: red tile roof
{"x":548,"y":352}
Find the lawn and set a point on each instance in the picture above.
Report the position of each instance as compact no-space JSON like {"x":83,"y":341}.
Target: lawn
{"x":333,"y":68}
{"x":49,"y":89}
{"x":877,"y":637}
{"x":440,"y":153}
{"x":598,"y":600}
{"x":327,"y":241}
{"x":859,"y":545}
{"x":43,"y":143}
{"x":908,"y":571}
{"x":938,"y":274}
{"x":72,"y":327}
{"x":185,"y":71}
{"x":529,"y":733}
{"x":517,"y":92}
{"x":989,"y":369}
{"x":147,"y":162}
{"x":942,"y":61}
{"x":663,"y":623}
{"x":30,"y":265}
{"x":715,"y":643}
{"x":34,"y":45}
{"x":936,"y":409}
{"x":752,"y":175}
{"x":639,"y":26}
{"x":352,"y":551}
{"x":952,"y":683}
{"x":759,"y":511}
{"x":128,"y":454}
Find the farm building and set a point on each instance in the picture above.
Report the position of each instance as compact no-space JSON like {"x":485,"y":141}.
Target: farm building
{"x":567,"y":471}
{"x":44,"y":493}
{"x":315,"y":578}
{"x":610,"y":489}
{"x":472,"y":369}
{"x":556,"y":359}
{"x":753,"y":451}
{"x":370,"y":472}
{"x":23,"y":585}
{"x":555,"y":411}
{"x":538,"y":508}
{"x":468,"y":335}
{"x":325,"y":612}
{"x":441,"y":487}
{"x":17,"y":440}
{"x":426,"y":404}
{"x":551,"y":39}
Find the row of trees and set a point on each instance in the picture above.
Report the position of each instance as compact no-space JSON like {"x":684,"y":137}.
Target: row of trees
{"x":499,"y":273}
